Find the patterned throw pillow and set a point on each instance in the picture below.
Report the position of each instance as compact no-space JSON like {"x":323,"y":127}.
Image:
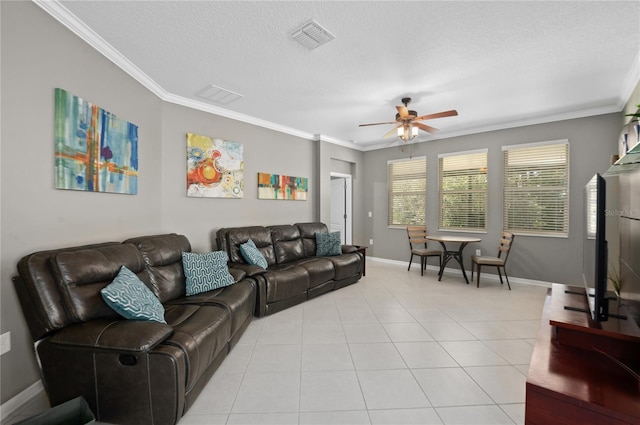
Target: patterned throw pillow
{"x":328,"y":244}
{"x":205,"y":272}
{"x":252,"y":254}
{"x":131,"y":298}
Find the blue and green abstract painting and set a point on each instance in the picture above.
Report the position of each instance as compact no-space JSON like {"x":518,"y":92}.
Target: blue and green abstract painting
{"x":95,"y":151}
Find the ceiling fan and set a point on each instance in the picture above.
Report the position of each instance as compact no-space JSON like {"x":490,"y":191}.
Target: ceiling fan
{"x":407,"y":121}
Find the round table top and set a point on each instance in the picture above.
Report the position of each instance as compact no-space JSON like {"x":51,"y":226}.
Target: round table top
{"x":453,"y":238}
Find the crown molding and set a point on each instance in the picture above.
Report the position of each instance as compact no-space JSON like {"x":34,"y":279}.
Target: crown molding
{"x":334,"y":141}
{"x":79,"y":28}
{"x":216,"y":110}
{"x":630,"y":83}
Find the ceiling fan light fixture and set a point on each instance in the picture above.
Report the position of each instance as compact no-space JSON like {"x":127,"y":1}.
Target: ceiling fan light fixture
{"x":407,"y":132}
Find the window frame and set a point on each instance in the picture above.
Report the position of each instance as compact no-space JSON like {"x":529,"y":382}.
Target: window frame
{"x":391,"y":221}
{"x":550,"y":190}
{"x":442,"y":193}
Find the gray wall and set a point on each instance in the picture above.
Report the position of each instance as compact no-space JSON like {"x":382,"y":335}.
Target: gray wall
{"x":39,"y":55}
{"x":334,"y":158}
{"x":592,"y":140}
{"x":264,"y":151}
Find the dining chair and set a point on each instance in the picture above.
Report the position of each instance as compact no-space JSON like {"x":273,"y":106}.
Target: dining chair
{"x":506,"y":242}
{"x":418,"y":246}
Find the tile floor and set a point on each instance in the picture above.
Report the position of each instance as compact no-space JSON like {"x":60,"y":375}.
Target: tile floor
{"x":395,"y":348}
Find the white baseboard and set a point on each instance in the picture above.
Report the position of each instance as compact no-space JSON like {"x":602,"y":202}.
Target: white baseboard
{"x":14,"y":404}
{"x":488,"y":276}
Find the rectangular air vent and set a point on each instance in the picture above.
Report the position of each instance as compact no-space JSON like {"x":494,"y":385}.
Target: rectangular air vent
{"x":312,"y":35}
{"x":218,"y":94}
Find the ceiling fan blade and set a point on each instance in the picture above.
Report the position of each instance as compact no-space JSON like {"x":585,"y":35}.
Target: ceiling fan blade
{"x":425,"y":127}
{"x":377,"y":123}
{"x":392,"y":131}
{"x":403,"y":111}
{"x":451,"y":113}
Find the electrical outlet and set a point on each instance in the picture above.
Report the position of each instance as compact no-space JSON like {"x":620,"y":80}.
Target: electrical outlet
{"x":370,"y":241}
{"x":5,"y":342}
{"x":478,"y":252}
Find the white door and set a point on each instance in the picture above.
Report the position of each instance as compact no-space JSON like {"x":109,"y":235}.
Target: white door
{"x":341,"y":207}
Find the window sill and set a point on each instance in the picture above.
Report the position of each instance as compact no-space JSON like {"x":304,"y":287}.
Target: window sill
{"x":463,"y":231}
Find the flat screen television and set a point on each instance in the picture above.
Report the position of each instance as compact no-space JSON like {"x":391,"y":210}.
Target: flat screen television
{"x":594,"y":258}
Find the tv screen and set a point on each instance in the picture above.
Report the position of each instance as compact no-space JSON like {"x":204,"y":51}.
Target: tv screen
{"x":594,"y":258}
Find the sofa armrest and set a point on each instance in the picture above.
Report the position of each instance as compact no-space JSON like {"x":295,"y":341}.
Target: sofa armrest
{"x":249,"y":269}
{"x":347,"y":249}
{"x":120,"y":335}
{"x":238,"y":274}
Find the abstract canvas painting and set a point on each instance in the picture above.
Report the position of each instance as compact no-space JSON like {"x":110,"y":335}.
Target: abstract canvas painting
{"x":215,"y":168}
{"x":275,"y":186}
{"x":95,"y":151}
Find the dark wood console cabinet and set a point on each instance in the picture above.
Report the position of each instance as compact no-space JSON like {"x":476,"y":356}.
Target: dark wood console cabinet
{"x":571,"y":383}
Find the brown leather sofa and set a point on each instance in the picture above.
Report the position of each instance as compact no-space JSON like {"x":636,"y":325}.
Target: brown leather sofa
{"x":129,"y":371}
{"x":294,"y":273}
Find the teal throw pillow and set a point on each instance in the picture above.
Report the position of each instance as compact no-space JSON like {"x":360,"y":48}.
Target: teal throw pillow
{"x":131,"y":298}
{"x":205,"y":272}
{"x":252,"y":254}
{"x":328,"y":244}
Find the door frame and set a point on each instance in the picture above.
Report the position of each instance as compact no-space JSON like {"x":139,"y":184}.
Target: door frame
{"x":348,"y":205}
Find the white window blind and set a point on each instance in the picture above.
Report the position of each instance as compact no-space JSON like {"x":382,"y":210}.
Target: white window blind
{"x":407,"y":186}
{"x":463,"y":191}
{"x":536,"y":188}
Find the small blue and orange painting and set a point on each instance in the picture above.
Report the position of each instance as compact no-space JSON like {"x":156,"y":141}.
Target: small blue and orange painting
{"x":275,"y":186}
{"x":95,"y":151}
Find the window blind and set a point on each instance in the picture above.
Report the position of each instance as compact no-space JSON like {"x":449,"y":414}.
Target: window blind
{"x":536,"y":188}
{"x":463,"y":191}
{"x":407,"y":186}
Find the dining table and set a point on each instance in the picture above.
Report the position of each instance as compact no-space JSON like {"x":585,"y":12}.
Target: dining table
{"x":448,"y":254}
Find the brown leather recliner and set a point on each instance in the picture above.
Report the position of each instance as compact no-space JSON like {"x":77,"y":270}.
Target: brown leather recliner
{"x":129,"y":371}
{"x":294,"y":273}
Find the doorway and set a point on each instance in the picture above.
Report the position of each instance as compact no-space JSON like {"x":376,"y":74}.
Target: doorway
{"x":341,"y":206}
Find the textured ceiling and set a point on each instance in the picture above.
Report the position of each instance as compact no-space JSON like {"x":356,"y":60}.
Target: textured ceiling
{"x":500,"y":64}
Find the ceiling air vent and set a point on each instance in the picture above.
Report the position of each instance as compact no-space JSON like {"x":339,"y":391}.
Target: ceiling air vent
{"x":312,"y":35}
{"x":218,"y":94}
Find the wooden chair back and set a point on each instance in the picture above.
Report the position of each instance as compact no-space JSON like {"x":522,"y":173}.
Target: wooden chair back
{"x":506,"y":241}
{"x":417,"y":235}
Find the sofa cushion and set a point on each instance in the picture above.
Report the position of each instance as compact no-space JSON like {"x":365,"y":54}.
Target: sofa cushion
{"x":252,"y":255}
{"x":285,"y":281}
{"x":328,"y":244}
{"x":239,"y":299}
{"x":308,"y":234}
{"x":287,"y":243}
{"x":162,"y":256}
{"x":39,"y":294}
{"x":347,"y":265}
{"x":260,"y":236}
{"x":131,"y":299}
{"x":201,"y":332}
{"x":320,"y":270}
{"x":81,"y":274}
{"x":205,"y":272}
